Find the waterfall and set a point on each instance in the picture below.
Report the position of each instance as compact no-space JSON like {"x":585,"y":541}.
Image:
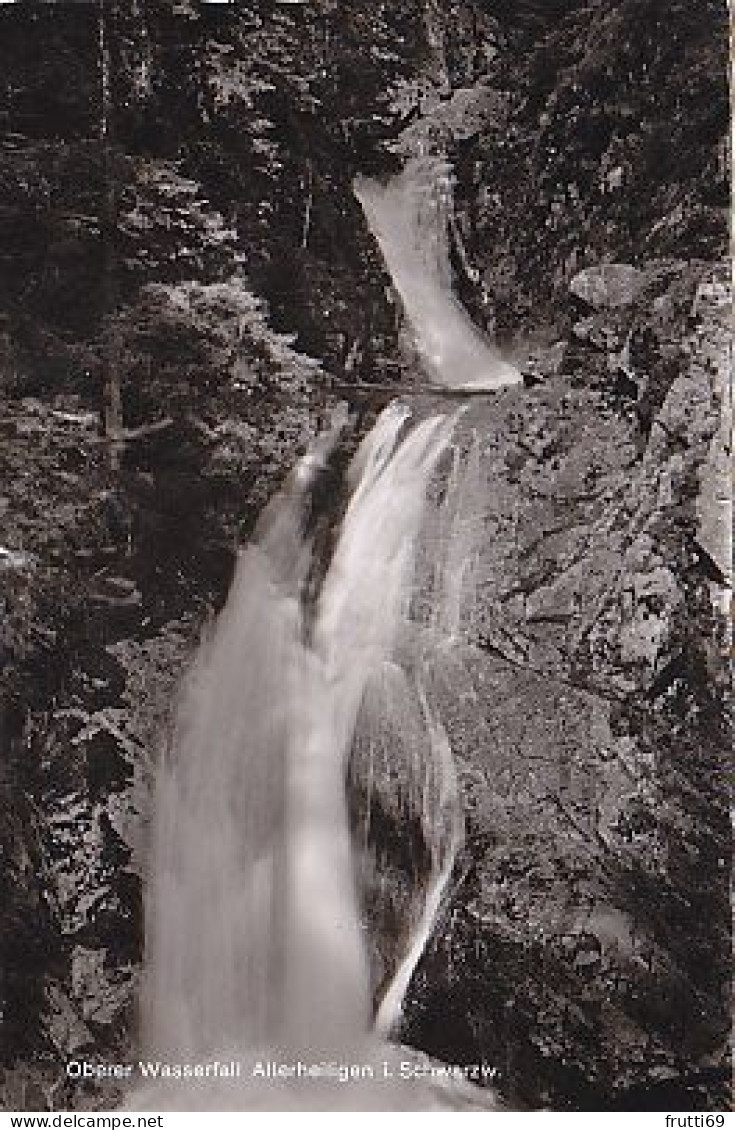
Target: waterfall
{"x":459,"y":543}
{"x":409,"y":217}
{"x":255,"y":937}
{"x":253,"y":932}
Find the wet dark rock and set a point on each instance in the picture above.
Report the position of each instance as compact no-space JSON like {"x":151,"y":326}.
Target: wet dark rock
{"x":542,"y":363}
{"x":97,"y":679}
{"x":625,"y":385}
{"x":109,"y":768}
{"x":115,"y":602}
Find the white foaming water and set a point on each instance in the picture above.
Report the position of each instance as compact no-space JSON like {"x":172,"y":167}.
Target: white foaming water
{"x":253,"y":929}
{"x":459,"y":542}
{"x":408,"y":216}
{"x":254,"y":939}
{"x":401,"y":748}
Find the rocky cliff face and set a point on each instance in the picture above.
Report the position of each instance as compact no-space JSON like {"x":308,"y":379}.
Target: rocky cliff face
{"x":584,"y":950}
{"x":594,"y":750}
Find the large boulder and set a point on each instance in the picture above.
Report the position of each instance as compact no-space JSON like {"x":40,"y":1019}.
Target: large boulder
{"x":608,"y":285}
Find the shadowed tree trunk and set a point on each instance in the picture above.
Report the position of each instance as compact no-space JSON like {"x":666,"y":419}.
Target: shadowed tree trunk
{"x":111,"y":383}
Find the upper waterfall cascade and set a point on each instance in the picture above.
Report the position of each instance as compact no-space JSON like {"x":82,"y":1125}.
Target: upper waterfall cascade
{"x":409,"y":217}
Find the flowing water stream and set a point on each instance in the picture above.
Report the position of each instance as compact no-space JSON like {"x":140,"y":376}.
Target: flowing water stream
{"x":409,"y":218}
{"x":255,"y":940}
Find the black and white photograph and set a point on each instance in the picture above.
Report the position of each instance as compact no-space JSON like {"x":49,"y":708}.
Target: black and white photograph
{"x":365,"y":559}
